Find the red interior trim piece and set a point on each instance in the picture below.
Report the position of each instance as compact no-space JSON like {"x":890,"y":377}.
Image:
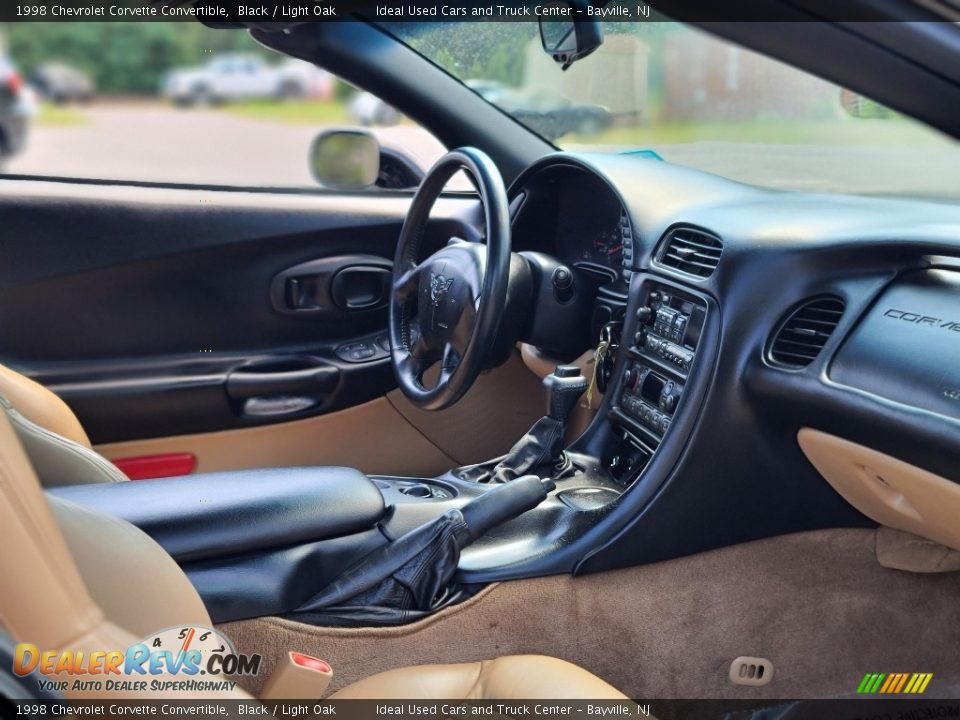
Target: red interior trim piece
{"x":310,"y":662}
{"x":146,"y":467}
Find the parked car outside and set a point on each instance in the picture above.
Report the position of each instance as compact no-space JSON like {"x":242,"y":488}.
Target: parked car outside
{"x":60,"y":83}
{"x":233,"y":77}
{"x":16,"y":107}
{"x":546,"y":112}
{"x":367,"y":109}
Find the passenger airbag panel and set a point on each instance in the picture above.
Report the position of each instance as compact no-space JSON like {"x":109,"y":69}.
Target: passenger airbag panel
{"x":907,"y":346}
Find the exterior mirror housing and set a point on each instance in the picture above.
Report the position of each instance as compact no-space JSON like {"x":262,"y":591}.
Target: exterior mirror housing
{"x":345,"y":159}
{"x":354,"y":159}
{"x":564,"y":37}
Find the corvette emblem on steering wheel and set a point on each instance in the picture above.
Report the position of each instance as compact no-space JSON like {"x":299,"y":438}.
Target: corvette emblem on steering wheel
{"x":439,"y":285}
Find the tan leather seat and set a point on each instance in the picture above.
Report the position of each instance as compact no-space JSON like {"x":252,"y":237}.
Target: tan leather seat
{"x":512,"y":677}
{"x":52,"y":436}
{"x":80,"y":580}
{"x":40,"y":406}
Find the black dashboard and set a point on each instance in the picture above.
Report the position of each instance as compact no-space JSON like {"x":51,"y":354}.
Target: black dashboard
{"x":744,"y":315}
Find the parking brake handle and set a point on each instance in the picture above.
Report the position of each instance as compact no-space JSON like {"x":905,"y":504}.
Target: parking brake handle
{"x":503,"y":502}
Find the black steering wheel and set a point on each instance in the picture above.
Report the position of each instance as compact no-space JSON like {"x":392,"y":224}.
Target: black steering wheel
{"x":446,"y":308}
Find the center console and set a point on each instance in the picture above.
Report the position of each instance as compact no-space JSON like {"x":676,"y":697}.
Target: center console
{"x":659,"y":355}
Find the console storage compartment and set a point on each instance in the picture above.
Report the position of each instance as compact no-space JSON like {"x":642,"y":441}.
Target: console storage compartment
{"x":253,"y":542}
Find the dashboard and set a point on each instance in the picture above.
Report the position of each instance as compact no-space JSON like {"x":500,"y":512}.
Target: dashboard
{"x":746,"y":318}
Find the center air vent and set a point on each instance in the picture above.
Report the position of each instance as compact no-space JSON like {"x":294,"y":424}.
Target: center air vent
{"x":691,"y":251}
{"x":806,"y":330}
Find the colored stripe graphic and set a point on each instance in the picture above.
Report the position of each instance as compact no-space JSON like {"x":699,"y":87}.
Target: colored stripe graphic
{"x":894,"y":683}
{"x":886,"y":685}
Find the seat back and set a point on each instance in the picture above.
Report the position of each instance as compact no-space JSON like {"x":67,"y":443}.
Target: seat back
{"x":55,"y":442}
{"x":48,"y":597}
{"x":40,"y":406}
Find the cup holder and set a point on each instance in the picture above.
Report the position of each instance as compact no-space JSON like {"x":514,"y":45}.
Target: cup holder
{"x":416,"y":488}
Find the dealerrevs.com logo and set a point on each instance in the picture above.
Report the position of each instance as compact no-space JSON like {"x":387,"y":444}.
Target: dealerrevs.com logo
{"x":190,"y":659}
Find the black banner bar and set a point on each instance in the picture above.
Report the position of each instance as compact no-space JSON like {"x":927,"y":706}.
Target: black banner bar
{"x":867,"y":708}
{"x":284,"y":13}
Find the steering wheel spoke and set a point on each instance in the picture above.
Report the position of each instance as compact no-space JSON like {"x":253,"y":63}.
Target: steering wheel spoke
{"x":413,"y":366}
{"x":407,"y":284}
{"x":450,"y":357}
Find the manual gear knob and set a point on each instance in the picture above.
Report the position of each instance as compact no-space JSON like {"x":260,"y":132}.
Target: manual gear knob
{"x":564,"y":387}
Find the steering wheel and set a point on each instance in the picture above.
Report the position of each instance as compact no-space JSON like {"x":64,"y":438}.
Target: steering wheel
{"x":447,"y":308}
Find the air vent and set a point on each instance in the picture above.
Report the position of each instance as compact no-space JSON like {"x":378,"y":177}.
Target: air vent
{"x":803,"y":334}
{"x":691,"y":251}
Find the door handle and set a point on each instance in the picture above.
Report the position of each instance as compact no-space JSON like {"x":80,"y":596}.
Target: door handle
{"x":361,"y":287}
{"x":252,"y":383}
{"x":335,"y":286}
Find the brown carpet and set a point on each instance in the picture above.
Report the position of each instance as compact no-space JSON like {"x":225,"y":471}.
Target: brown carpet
{"x":818,"y":605}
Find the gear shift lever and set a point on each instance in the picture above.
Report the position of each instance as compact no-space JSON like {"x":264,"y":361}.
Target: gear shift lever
{"x":564,"y":387}
{"x":542,"y":446}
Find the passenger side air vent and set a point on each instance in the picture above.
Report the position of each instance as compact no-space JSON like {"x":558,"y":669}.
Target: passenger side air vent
{"x":691,"y":251}
{"x":806,"y":330}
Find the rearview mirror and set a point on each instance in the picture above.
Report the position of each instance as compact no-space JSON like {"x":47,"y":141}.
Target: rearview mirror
{"x":345,"y":159}
{"x":565,"y":38}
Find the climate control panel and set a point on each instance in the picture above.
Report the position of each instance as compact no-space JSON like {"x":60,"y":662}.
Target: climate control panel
{"x":649,"y":397}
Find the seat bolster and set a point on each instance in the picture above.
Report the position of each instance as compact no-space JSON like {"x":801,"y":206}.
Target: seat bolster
{"x":58,"y":460}
{"x":512,"y":677}
{"x":41,"y":406}
{"x":133,"y":580}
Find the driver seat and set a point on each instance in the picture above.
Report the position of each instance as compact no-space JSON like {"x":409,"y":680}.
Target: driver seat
{"x":85,"y":581}
{"x":51,"y":435}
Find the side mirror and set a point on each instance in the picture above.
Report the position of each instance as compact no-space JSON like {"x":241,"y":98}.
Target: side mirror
{"x":353,"y":159}
{"x":565,"y":38}
{"x":345,"y":159}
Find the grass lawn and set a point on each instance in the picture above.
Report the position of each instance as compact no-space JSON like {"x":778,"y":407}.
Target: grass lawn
{"x":59,"y":116}
{"x":295,"y":112}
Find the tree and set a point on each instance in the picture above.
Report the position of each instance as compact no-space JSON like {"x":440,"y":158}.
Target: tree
{"x":123,"y":58}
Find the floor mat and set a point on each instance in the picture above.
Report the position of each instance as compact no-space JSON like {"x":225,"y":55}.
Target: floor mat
{"x":817,"y":604}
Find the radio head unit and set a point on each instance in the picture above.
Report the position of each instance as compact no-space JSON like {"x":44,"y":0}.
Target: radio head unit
{"x":662,"y":351}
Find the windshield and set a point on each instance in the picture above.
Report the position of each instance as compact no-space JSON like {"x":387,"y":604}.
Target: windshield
{"x":672,"y":92}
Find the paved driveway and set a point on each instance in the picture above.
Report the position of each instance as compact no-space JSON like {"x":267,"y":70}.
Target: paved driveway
{"x":156,"y":142}
{"x":153,"y":142}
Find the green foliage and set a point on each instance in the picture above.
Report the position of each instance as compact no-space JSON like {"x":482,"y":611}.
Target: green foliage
{"x":126,"y":58}
{"x":343,"y":91}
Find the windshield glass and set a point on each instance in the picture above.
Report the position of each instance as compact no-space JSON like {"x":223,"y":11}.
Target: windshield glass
{"x":669,"y":91}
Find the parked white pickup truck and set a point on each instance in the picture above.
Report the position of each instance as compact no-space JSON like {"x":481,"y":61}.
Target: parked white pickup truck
{"x":244,"y":77}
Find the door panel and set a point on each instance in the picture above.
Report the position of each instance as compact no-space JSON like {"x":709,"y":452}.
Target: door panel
{"x":372,"y":437}
{"x":154,"y":311}
{"x":387,"y":436}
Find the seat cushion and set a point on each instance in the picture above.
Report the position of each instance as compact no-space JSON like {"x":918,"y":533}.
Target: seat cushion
{"x":512,"y":677}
